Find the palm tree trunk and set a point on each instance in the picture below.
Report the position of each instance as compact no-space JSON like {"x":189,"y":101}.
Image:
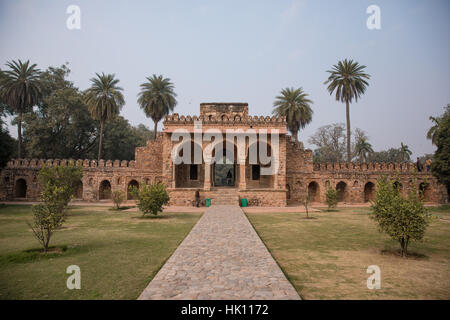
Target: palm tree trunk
{"x":100,"y":141}
{"x":347,"y":111}
{"x":156,"y":130}
{"x":19,"y":134}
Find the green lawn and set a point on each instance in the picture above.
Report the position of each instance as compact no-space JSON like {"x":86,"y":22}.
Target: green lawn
{"x":327,"y":257}
{"x":118,"y":253}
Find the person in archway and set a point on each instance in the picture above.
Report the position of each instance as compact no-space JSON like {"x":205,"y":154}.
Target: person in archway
{"x":428,"y":164}
{"x":419,"y":165}
{"x":197,"y":198}
{"x":229,"y":176}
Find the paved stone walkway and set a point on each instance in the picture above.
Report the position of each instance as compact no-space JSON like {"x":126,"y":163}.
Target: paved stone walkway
{"x":221,"y":258}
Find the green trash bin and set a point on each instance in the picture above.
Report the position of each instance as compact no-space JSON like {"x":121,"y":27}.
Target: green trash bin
{"x":244,"y":202}
{"x":208,"y":202}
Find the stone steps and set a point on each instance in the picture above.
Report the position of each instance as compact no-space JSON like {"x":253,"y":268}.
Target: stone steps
{"x":225,"y":197}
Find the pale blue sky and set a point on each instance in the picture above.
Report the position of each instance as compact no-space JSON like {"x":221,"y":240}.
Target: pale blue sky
{"x":247,"y":51}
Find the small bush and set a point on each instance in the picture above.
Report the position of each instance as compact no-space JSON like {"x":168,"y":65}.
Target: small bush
{"x":151,"y":198}
{"x":118,"y":197}
{"x":403,"y":219}
{"x":331,"y":198}
{"x":58,"y":187}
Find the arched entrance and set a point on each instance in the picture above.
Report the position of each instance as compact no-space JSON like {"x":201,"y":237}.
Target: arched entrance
{"x":341,"y":189}
{"x":313,"y":192}
{"x":257,"y":171}
{"x":78,"y":190}
{"x":224,"y":172}
{"x":189,"y":174}
{"x":425,"y":192}
{"x":20,"y":189}
{"x":398,"y":185}
{"x":369,"y":192}
{"x":132,"y":184}
{"x":104,"y":190}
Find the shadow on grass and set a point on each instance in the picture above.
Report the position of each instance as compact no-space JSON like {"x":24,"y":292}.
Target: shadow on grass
{"x":411,"y":254}
{"x":309,"y":218}
{"x":122,"y":208}
{"x":36,"y":254}
{"x":442,"y":208}
{"x":152,"y":217}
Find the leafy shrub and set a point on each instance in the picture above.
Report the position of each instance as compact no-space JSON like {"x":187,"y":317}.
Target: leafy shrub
{"x":118,"y":197}
{"x":403,"y":219}
{"x":331,"y":198}
{"x":58,"y":187}
{"x":66,"y":177}
{"x":151,"y":198}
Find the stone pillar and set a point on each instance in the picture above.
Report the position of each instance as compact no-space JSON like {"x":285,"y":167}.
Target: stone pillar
{"x":207,"y":181}
{"x":275,"y":176}
{"x":242,"y":182}
{"x":173,"y":176}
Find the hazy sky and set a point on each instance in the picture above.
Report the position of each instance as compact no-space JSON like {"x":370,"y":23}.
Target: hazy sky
{"x":247,"y":51}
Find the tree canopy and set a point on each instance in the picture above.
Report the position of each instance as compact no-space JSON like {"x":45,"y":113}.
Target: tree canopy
{"x":296,"y":107}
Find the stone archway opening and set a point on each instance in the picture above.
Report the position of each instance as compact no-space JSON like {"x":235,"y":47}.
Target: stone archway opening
{"x":369,"y":192}
{"x":78,"y":190}
{"x":189,"y":175}
{"x":341,"y":189}
{"x":20,"y":189}
{"x":398,"y":186}
{"x":224,"y":169}
{"x":132,"y":184}
{"x":425,"y":192}
{"x":104,"y":190}
{"x":255,"y":179}
{"x":313,"y":192}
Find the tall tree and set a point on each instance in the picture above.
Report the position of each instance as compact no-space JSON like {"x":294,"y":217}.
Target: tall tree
{"x":296,"y":107}
{"x":348,"y":80}
{"x":61,"y":126}
{"x":405,"y":153}
{"x":104,"y":100}
{"x":363,"y":148}
{"x":441,"y":160}
{"x":330,"y":142}
{"x":157,"y":98}
{"x":431,"y":134}
{"x":20,"y":90}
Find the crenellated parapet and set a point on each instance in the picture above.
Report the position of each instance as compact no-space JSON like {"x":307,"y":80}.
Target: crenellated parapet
{"x":86,"y":163}
{"x":364,"y":167}
{"x":176,"y":119}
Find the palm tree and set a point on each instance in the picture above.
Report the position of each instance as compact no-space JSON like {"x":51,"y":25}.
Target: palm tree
{"x":363,"y":148}
{"x":431,"y":134}
{"x":20,"y":90}
{"x":104,"y":100}
{"x":404,"y":152}
{"x":348,"y":79}
{"x":296,"y":107}
{"x":157,"y":98}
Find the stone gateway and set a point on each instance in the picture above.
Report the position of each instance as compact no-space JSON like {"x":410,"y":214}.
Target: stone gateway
{"x":225,"y":182}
